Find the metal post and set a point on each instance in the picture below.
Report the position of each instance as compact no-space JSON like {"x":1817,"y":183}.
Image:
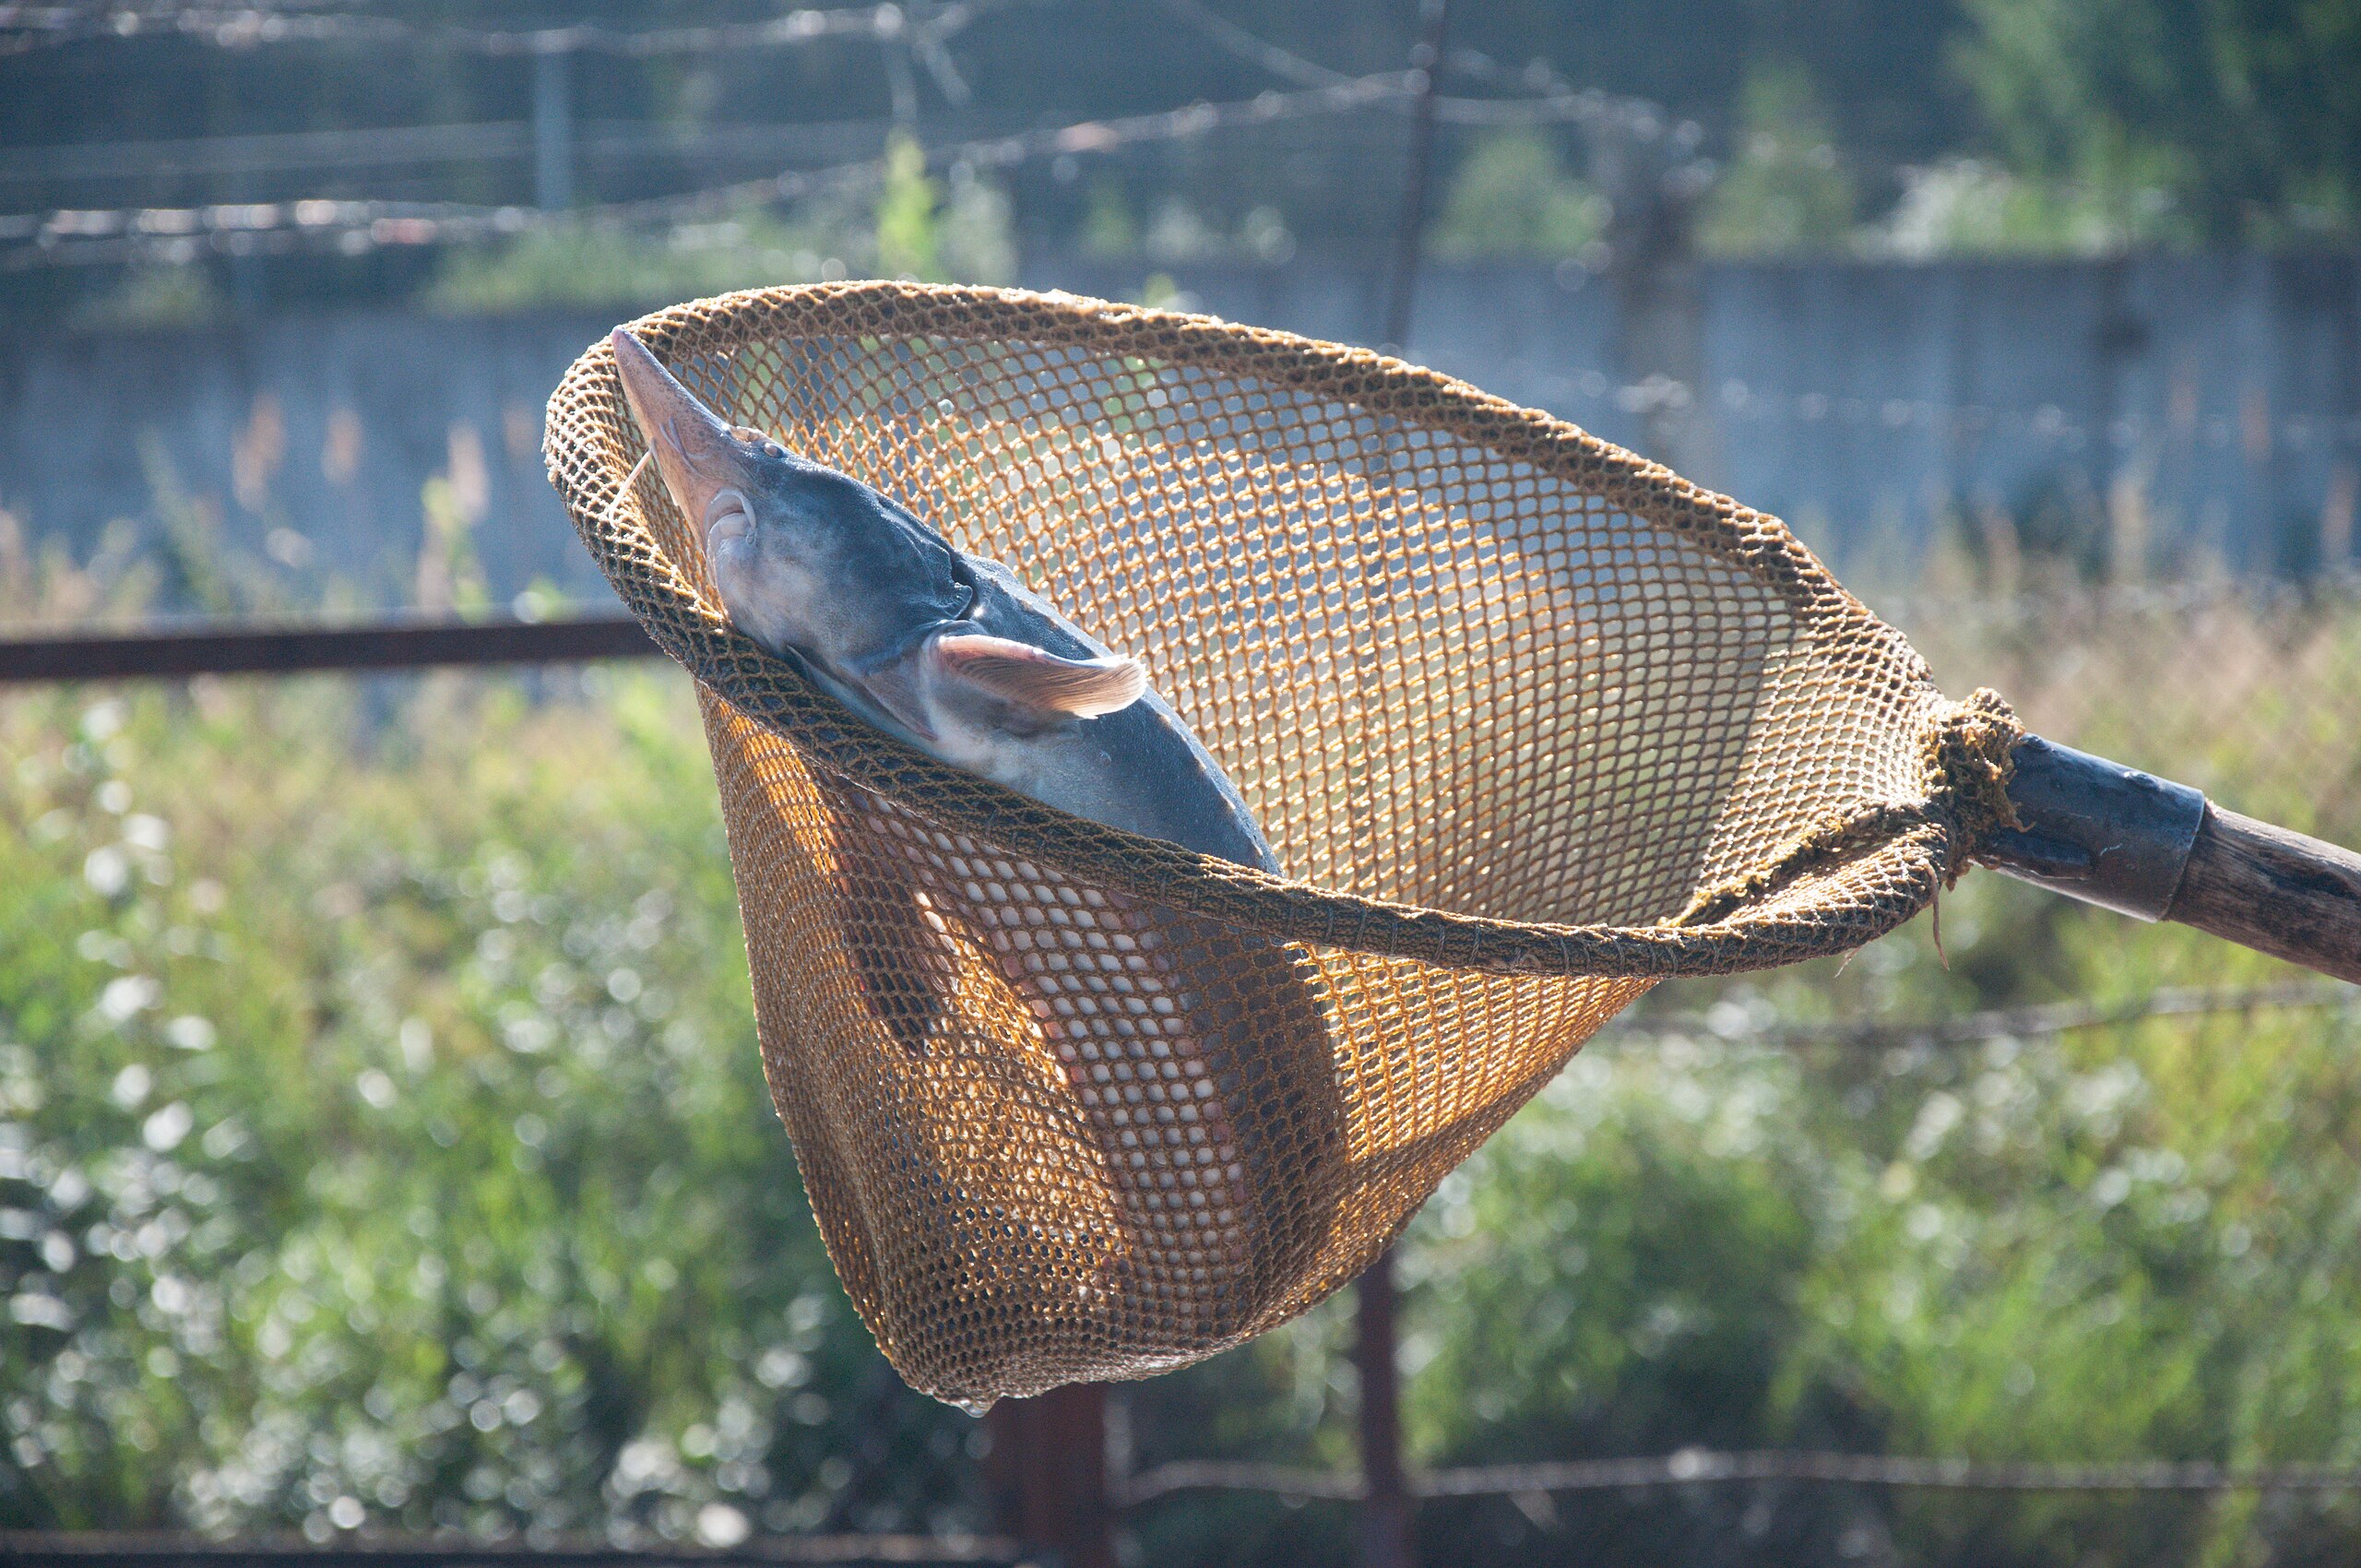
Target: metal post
{"x":1385,"y":1515}
{"x":1425,"y":62}
{"x":554,"y":127}
{"x":1048,"y":1473}
{"x":1654,"y":182}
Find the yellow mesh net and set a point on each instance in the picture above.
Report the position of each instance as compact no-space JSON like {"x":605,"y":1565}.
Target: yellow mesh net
{"x":1531,"y":723}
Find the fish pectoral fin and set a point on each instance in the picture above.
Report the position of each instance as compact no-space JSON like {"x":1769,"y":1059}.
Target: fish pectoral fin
{"x":1036,"y":678}
{"x":895,"y":688}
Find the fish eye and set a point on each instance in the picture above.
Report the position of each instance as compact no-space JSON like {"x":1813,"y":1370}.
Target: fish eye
{"x":758,"y":440}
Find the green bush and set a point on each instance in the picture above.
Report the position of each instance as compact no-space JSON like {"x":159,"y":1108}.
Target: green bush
{"x":956,"y":229}
{"x":1511,"y":196}
{"x":1786,"y":189}
{"x":385,"y":1136}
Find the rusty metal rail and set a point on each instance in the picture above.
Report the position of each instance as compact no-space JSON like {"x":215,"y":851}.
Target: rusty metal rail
{"x":1698,"y":1466}
{"x":394,"y":643}
{"x":83,"y":1549}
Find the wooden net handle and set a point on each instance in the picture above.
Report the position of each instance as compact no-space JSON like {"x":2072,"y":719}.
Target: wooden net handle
{"x":2112,"y":836}
{"x":2293,"y":897}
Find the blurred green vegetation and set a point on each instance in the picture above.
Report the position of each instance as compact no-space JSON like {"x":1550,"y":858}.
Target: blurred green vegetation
{"x":2118,"y":1244}
{"x":1786,"y":188}
{"x":2243,"y":117}
{"x":587,"y":266}
{"x":1513,"y":197}
{"x":956,"y":229}
{"x":2039,"y":128}
{"x":2010,"y":127}
{"x":384,"y":1123}
{"x":383,"y":1146}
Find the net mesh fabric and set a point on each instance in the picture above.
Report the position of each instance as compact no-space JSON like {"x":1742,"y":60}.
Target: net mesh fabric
{"x":1530,"y":722}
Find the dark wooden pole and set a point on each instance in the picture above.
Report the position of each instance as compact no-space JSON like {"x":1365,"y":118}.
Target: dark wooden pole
{"x":1385,"y":1538}
{"x":1385,"y":1518}
{"x":2113,"y":836}
{"x":2280,"y":893}
{"x":552,"y":126}
{"x":1426,"y":59}
{"x":1048,"y":1473}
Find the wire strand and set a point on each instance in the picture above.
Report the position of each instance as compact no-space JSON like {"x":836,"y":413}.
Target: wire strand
{"x":1701,"y":1467}
{"x":64,"y":236}
{"x":24,"y":28}
{"x":1974,"y":1028}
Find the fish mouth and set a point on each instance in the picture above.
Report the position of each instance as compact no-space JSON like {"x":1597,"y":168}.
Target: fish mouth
{"x":728,"y":518}
{"x":704,"y":464}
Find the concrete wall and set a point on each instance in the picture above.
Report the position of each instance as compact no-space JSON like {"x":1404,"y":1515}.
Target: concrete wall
{"x":326,"y":428}
{"x":2216,"y":399}
{"x":2171,"y":410}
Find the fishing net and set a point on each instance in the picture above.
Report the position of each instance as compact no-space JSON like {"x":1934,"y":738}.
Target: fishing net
{"x":1531,"y":723}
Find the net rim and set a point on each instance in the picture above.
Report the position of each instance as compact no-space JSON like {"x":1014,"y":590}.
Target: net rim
{"x":1917,"y":846}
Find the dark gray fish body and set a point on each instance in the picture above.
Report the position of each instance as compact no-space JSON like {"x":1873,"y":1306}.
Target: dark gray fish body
{"x":948,"y":652}
{"x":1138,"y":768}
